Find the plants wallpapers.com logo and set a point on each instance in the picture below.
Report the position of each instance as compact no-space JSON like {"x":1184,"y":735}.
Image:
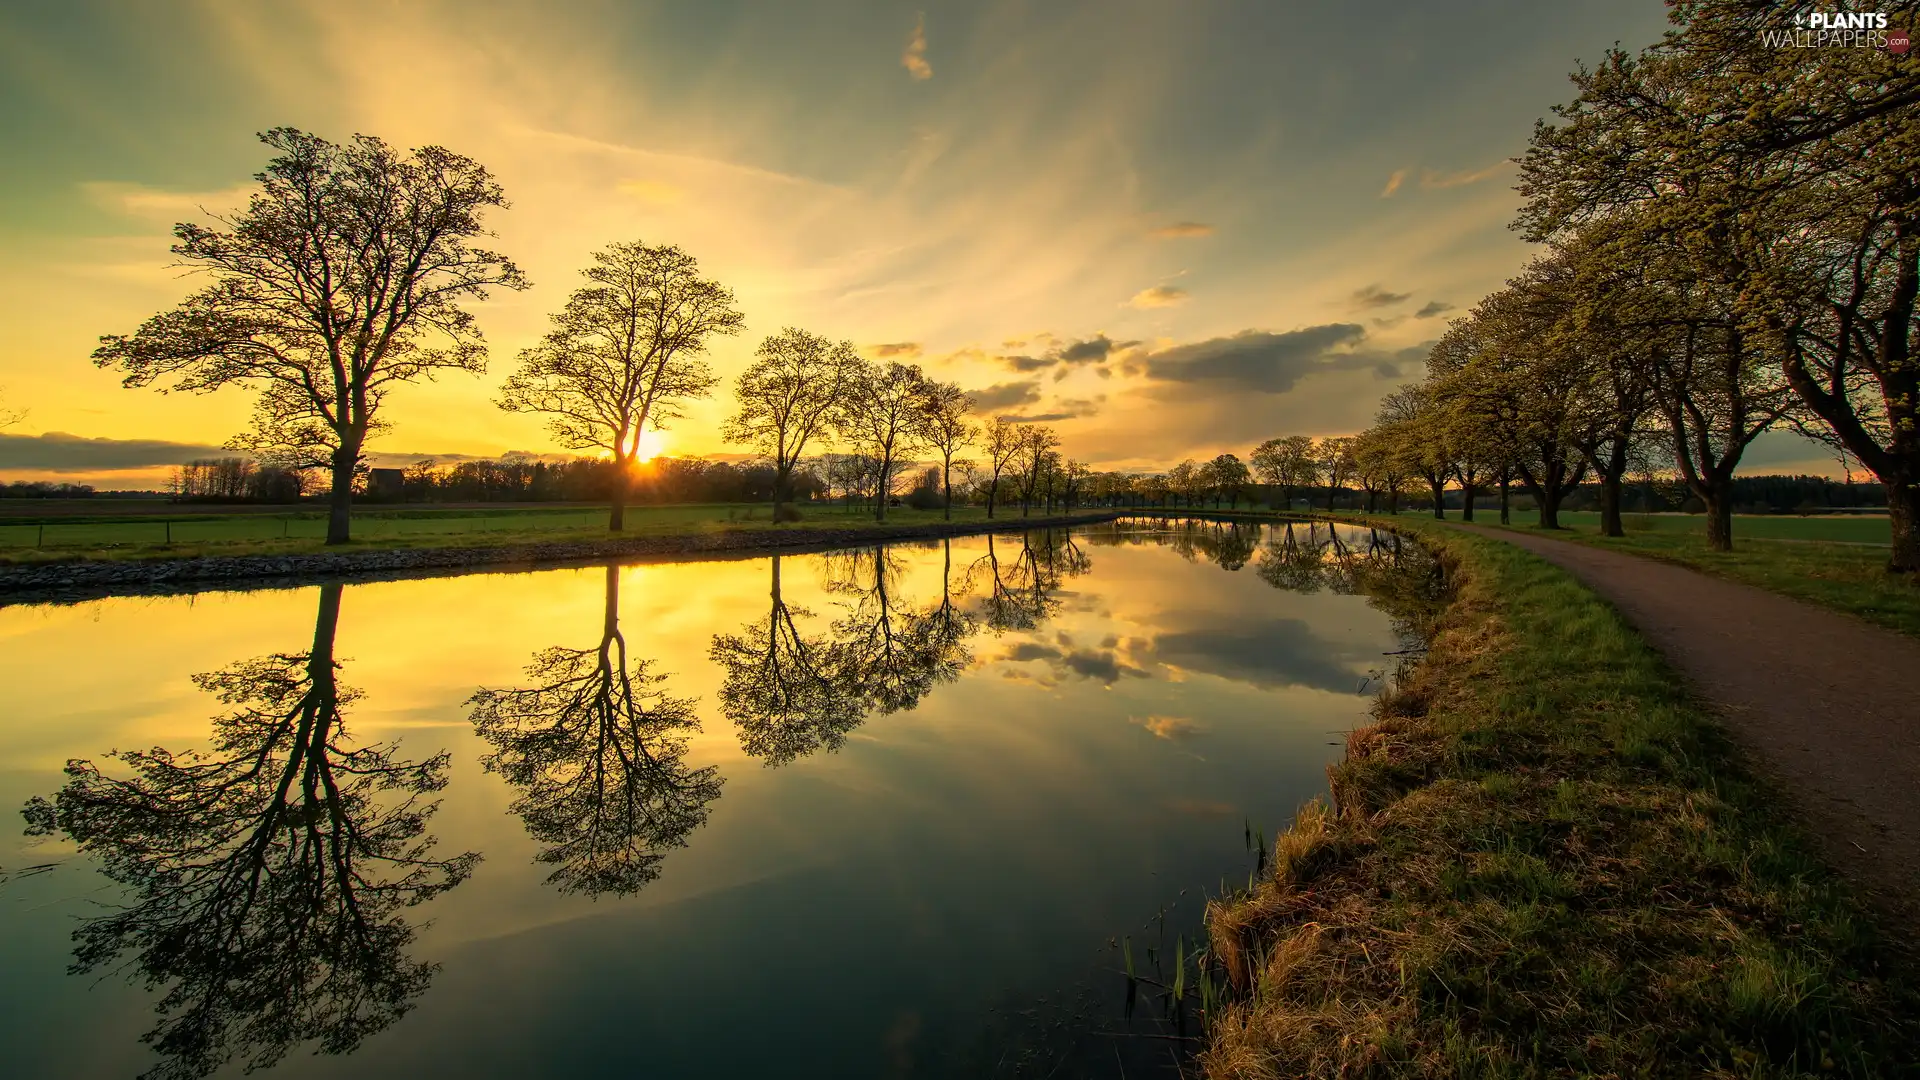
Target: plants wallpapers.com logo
{"x":1839,"y":29}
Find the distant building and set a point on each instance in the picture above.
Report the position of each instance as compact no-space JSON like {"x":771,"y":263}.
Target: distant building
{"x":387,"y":483}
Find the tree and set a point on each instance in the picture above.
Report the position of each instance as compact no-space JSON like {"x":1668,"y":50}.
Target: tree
{"x":781,"y":688}
{"x":343,"y":277}
{"x":1285,"y":463}
{"x":623,"y":355}
{"x":269,"y":877}
{"x":1227,"y":475}
{"x":1037,"y":442}
{"x":1005,"y":439}
{"x":882,"y":415}
{"x":9,"y":417}
{"x":944,"y":427}
{"x":598,"y":753}
{"x":789,"y":396}
{"x":1333,"y":457}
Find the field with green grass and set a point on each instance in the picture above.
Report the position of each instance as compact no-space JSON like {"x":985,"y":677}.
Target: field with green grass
{"x":1844,"y":528}
{"x":153,"y":536}
{"x":1547,"y":860}
{"x":1846,"y":577}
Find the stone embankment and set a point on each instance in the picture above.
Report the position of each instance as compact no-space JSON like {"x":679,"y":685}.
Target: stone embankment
{"x":67,"y":582}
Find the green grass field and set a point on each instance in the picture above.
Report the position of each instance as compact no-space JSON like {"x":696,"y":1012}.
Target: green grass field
{"x":1846,"y":528}
{"x":188,"y":535}
{"x":1793,"y":556}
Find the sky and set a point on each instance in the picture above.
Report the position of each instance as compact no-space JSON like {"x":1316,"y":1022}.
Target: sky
{"x":1169,"y":229}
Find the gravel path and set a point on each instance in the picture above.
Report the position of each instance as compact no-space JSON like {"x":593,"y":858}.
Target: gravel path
{"x":1830,"y":705}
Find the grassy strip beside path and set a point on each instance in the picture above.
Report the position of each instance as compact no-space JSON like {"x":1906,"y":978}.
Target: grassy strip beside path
{"x":1544,"y":860}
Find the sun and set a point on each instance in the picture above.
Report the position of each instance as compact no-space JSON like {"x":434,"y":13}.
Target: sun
{"x":652,"y":445}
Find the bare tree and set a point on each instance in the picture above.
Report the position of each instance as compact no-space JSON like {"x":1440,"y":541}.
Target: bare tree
{"x":1004,"y":440}
{"x":788,"y":397}
{"x":880,"y":415}
{"x":1036,"y":450}
{"x":343,"y":276}
{"x":9,"y":417}
{"x":624,"y":353}
{"x":944,"y":427}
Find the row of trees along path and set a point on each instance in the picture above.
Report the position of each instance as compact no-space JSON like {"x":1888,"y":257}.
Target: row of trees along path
{"x":347,"y":273}
{"x":1730,"y":244}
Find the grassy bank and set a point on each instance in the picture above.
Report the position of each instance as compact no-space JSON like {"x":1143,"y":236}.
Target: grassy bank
{"x":1837,"y":528}
{"x":189,"y":536}
{"x":1545,"y":860}
{"x":1845,"y":577}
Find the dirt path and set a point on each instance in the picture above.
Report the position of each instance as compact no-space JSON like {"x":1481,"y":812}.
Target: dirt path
{"x":1831,"y":705}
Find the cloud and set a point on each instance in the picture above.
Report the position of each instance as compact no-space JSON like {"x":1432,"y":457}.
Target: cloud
{"x":1268,"y":652}
{"x":1264,"y":362}
{"x":1393,"y":183}
{"x":1093,"y":350}
{"x":1158,"y":296}
{"x":1432,"y":308}
{"x":1006,"y":395}
{"x":1373,"y":296}
{"x":898,"y":348}
{"x":1029,"y":363}
{"x":1182,"y":229}
{"x":1431,"y":178}
{"x":57,"y":451}
{"x":915,"y":58}
{"x":1174,"y":728}
{"x":1040,"y":418}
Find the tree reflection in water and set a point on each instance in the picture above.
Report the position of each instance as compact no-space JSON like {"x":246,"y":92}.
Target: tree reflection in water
{"x":598,"y":752}
{"x":790,"y":693}
{"x":269,"y":876}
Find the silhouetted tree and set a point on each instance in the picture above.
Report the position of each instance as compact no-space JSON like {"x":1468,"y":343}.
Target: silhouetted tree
{"x":268,"y":877}
{"x":598,"y":752}
{"x":782,"y":690}
{"x":788,"y":397}
{"x":343,"y":277}
{"x":623,"y":355}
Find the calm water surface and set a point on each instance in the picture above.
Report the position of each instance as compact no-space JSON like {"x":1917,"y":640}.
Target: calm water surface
{"x":883,"y":812}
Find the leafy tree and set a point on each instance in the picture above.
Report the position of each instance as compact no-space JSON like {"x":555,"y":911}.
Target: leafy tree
{"x":882,"y":415}
{"x":343,"y":277}
{"x":1333,"y":459}
{"x":1227,"y":475}
{"x":788,"y":397}
{"x":269,"y":876}
{"x":598,"y":753}
{"x":1285,"y":463}
{"x":624,"y":354}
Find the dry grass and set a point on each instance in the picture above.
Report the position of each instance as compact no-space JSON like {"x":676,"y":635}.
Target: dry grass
{"x":1543,"y":860}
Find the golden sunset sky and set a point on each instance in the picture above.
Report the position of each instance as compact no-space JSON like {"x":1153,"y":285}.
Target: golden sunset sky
{"x":1174,"y":228}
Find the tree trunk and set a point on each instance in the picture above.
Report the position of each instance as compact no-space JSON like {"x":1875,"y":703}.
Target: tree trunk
{"x":1439,"y":499}
{"x":886,"y":490}
{"x":993,"y":490}
{"x":1506,"y":483}
{"x":1610,"y":494}
{"x":340,"y":499}
{"x":1903,"y":515}
{"x":1467,"y":493}
{"x":1719,"y":500}
{"x":617,"y":517}
{"x":946,"y":486}
{"x":782,"y":482}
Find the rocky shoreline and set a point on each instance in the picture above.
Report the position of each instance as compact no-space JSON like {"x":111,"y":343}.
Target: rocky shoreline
{"x":71,"y":582}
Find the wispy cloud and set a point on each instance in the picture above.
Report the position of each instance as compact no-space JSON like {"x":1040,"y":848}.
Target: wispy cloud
{"x":1158,"y":296}
{"x":1432,"y":308}
{"x":915,"y":58}
{"x":1373,"y":296}
{"x":893,"y":349}
{"x":1433,"y":178}
{"x":1181,"y":229}
{"x":1393,"y":183}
